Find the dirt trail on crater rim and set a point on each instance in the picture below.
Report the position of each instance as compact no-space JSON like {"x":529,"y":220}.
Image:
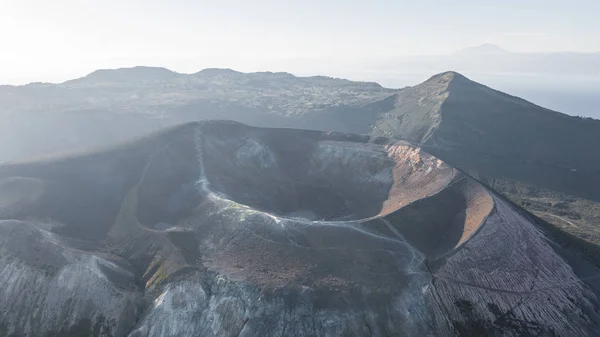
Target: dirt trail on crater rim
{"x":324,"y":178}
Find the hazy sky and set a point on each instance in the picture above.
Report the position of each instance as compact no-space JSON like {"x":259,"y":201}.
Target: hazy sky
{"x":62,"y":39}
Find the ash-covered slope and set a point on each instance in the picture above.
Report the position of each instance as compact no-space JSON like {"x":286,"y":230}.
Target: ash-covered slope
{"x":220,"y":229}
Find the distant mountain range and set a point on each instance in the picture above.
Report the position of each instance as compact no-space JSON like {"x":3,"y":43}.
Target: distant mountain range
{"x":544,"y":160}
{"x":117,"y":104}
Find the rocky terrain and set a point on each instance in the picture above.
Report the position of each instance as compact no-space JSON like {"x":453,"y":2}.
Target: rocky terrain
{"x":110,"y":105}
{"x":453,"y":114}
{"x":221,"y":229}
{"x":541,"y":159}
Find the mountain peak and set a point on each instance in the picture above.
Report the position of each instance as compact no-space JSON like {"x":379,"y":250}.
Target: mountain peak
{"x":448,"y":83}
{"x":211,"y":72}
{"x":454,"y":98}
{"x":448,"y":76}
{"x":447,"y":80}
{"x":137,"y":73}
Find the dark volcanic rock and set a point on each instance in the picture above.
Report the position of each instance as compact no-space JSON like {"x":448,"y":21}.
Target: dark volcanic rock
{"x":220,"y":229}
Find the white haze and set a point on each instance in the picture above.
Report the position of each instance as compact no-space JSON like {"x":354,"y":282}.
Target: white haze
{"x":395,"y":43}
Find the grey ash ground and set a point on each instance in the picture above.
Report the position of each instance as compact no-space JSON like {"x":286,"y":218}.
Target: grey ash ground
{"x":221,"y":229}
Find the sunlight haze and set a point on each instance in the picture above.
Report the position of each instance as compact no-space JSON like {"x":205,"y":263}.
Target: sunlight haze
{"x":60,"y":40}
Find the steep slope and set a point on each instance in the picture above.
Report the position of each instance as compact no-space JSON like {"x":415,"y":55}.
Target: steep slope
{"x":544,"y":160}
{"x":220,"y":229}
{"x":473,"y":117}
